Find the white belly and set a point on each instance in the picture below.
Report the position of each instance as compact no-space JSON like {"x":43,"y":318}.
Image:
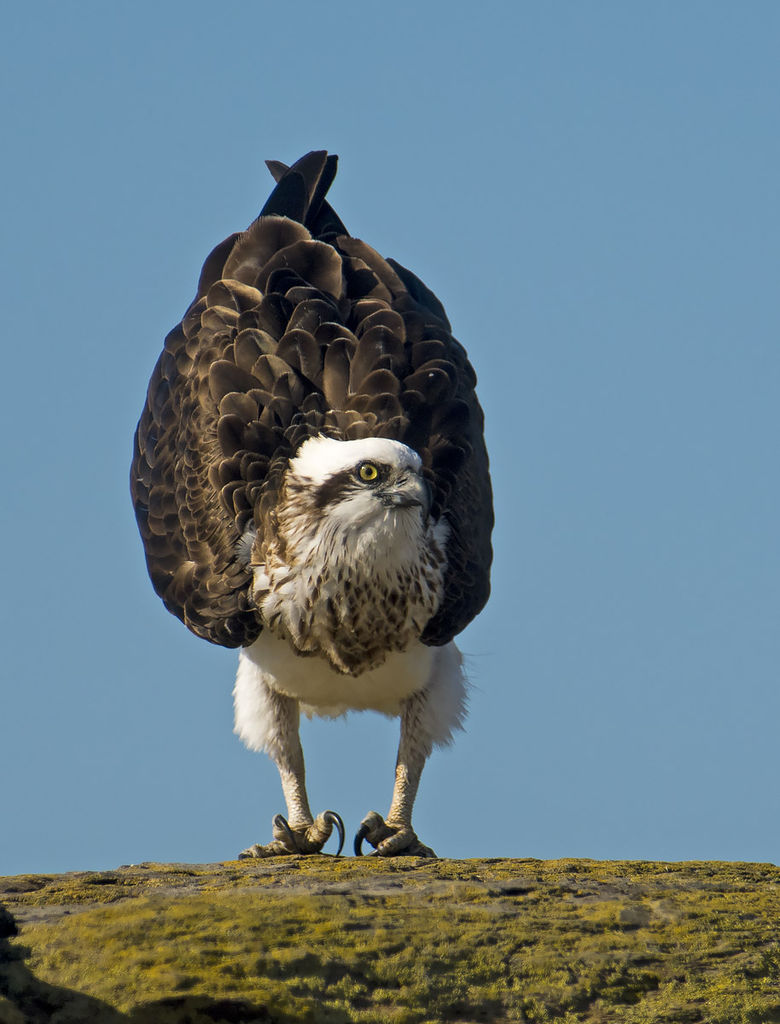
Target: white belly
{"x":323,"y":691}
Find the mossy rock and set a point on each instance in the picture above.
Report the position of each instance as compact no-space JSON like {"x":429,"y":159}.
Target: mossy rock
{"x":408,"y":941}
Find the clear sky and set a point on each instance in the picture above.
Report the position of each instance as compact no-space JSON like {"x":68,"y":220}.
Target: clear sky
{"x":592,"y":190}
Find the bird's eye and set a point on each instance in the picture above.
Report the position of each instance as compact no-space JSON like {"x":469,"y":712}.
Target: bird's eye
{"x":368,"y":472}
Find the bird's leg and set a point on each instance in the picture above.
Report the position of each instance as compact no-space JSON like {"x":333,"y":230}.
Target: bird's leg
{"x":394,"y":835}
{"x":299,"y":832}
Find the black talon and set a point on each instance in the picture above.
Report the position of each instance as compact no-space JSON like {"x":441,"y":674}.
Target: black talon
{"x":282,"y":824}
{"x":362,"y":832}
{"x":373,"y":822}
{"x":335,"y":819}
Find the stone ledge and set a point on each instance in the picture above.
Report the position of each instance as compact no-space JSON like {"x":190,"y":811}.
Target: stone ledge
{"x":405,"y":940}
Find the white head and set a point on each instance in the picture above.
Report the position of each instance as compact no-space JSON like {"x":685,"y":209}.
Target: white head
{"x":356,"y":483}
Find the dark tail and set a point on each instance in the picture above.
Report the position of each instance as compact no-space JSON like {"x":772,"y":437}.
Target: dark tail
{"x":300,"y":193}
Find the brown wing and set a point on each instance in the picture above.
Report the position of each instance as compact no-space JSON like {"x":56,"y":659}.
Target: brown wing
{"x":298,"y":329}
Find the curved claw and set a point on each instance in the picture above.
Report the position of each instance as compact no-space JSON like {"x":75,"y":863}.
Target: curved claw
{"x":306,"y":839}
{"x":335,"y":819}
{"x":362,"y":832}
{"x":389,"y":840}
{"x":281,"y":824}
{"x":370,"y":825}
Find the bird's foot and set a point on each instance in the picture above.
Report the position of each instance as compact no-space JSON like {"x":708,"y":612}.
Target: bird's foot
{"x":302,"y":839}
{"x":389,"y":840}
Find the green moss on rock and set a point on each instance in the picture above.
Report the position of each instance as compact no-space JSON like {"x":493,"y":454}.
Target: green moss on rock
{"x":407,"y":941}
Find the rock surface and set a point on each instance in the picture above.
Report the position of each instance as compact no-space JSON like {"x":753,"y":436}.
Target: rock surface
{"x":409,"y":941}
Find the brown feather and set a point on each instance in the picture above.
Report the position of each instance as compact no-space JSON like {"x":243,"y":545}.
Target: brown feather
{"x":298,"y":329}
{"x":234,"y":295}
{"x":299,"y":349}
{"x":249,"y":345}
{"x":318,"y":265}
{"x":260,"y":243}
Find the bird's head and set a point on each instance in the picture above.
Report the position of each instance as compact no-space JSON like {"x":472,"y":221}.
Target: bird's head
{"x":357,"y":484}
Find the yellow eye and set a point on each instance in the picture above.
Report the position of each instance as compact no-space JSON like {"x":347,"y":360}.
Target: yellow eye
{"x":368,"y":472}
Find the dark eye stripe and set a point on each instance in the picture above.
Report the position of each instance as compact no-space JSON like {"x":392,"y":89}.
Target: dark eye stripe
{"x":334,"y":488}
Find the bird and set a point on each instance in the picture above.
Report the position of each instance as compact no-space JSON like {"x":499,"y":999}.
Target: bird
{"x":311,"y":485}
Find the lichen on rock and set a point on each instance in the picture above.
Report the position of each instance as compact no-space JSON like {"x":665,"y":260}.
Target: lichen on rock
{"x":408,"y":941}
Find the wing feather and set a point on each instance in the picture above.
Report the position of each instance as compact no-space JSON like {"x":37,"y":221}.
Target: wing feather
{"x":299,"y":329}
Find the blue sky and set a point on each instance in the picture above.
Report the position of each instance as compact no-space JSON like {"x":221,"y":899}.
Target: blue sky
{"x":591,"y":189}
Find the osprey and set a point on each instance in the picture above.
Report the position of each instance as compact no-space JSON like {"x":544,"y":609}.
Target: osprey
{"x":311,"y":486}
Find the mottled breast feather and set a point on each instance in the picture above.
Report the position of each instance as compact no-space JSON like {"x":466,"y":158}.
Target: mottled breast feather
{"x":298,"y":329}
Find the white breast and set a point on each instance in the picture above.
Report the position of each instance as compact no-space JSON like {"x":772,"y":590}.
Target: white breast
{"x":323,"y":691}
{"x":353,"y":576}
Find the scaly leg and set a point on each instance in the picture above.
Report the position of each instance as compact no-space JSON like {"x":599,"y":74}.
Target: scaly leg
{"x":279,"y":718}
{"x":394,"y":835}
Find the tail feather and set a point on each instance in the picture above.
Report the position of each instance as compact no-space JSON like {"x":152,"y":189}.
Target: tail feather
{"x":300,"y":193}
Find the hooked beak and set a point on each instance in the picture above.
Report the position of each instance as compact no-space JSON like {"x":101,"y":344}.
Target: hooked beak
{"x":408,"y":492}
